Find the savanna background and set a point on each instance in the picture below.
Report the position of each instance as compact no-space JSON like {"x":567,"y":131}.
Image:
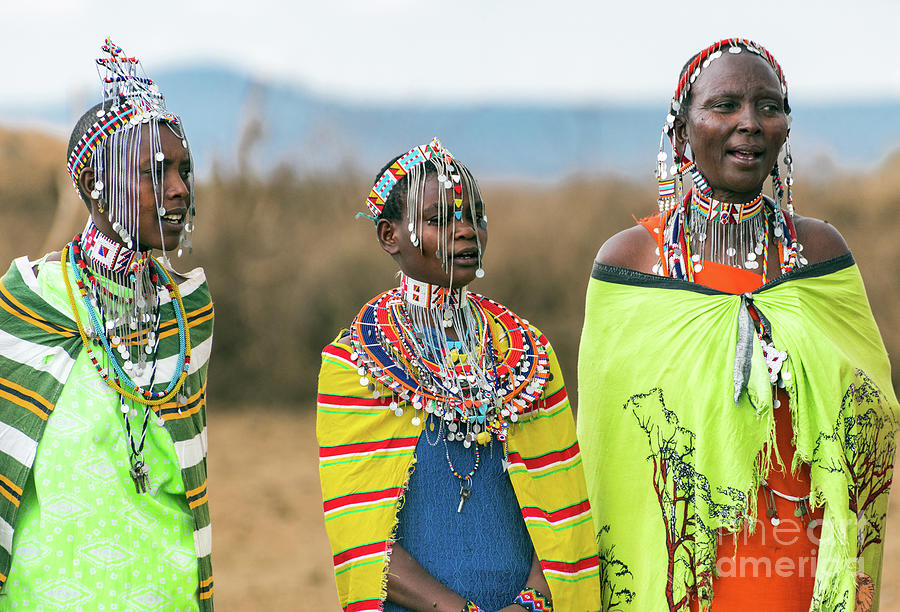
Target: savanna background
{"x":289,"y":267}
{"x":291,"y":107}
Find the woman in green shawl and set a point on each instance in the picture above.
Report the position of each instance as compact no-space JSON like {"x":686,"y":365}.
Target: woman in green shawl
{"x":737,"y":417}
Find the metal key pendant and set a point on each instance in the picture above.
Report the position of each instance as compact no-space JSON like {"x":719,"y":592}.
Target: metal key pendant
{"x":464,"y":493}
{"x":802,"y":511}
{"x":139,"y":474}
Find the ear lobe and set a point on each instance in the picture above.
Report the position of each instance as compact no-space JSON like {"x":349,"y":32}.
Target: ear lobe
{"x":681,"y":136}
{"x":388,"y":236}
{"x":86,"y":182}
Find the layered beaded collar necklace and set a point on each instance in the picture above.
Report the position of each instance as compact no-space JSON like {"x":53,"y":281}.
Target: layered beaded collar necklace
{"x":120,"y":289}
{"x":732,"y":234}
{"x":475,"y":386}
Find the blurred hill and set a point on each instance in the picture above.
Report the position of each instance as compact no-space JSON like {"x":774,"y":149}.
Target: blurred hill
{"x":289,"y":266}
{"x":312,"y":133}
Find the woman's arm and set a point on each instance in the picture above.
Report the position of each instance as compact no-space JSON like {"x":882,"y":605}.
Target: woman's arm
{"x":411,"y":586}
{"x":535,"y":581}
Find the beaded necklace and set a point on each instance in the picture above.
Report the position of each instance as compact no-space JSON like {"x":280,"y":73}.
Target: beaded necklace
{"x":736,"y":234}
{"x":121,"y":382}
{"x":104,"y":306}
{"x":464,"y":381}
{"x":466,"y":384}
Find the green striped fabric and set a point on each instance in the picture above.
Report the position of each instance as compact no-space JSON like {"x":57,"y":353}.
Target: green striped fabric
{"x":38,"y":347}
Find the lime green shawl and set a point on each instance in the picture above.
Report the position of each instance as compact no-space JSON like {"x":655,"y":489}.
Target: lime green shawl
{"x":670,"y":457}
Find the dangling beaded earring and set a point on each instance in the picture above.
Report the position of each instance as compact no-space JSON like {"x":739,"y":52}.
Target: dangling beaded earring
{"x":665,"y":181}
{"x":789,"y":176}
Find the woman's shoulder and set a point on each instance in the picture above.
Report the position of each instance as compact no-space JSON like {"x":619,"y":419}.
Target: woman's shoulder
{"x":821,"y":241}
{"x":634,"y":248}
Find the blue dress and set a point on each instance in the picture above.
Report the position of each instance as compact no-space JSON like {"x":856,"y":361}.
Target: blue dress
{"x":483,"y":553}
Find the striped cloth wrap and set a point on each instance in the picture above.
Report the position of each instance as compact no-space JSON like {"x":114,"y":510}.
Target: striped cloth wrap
{"x":38,"y":348}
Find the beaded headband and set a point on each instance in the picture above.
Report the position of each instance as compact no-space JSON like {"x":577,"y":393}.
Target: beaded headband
{"x":134,"y":100}
{"x":452,"y":178}
{"x":711,"y":53}
{"x":414,"y":157}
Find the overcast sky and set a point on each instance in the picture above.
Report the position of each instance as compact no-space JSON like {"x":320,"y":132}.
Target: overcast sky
{"x":459,"y":51}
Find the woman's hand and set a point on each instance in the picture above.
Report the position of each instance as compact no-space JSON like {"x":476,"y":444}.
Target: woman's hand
{"x":411,"y":586}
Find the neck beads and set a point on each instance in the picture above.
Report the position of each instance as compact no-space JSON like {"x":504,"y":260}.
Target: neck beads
{"x":739,"y":235}
{"x":120,"y":290}
{"x":452,"y":357}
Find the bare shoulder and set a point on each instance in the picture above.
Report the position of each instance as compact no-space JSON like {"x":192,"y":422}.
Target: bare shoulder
{"x":633,"y":248}
{"x":821,"y":241}
{"x":344,"y":339}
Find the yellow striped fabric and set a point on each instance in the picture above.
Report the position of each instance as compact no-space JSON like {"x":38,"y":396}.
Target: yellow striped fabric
{"x":366,"y":454}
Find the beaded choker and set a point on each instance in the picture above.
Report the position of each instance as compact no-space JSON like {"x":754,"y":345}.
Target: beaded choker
{"x":723,"y":212}
{"x":106,"y":255}
{"x":477,"y":384}
{"x":426,"y":295}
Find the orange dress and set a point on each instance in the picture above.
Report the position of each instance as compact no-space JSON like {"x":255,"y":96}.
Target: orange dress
{"x":774,"y":567}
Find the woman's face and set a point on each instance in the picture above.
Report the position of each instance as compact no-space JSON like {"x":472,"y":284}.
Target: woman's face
{"x":457,"y":236}
{"x":736,"y":125}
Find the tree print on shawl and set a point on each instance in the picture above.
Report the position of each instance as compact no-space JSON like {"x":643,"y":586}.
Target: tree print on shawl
{"x":685,"y":500}
{"x":614,"y":574}
{"x":862,"y":446}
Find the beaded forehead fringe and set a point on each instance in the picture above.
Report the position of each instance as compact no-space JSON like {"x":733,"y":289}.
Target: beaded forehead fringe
{"x":452,"y":178}
{"x":112,"y":146}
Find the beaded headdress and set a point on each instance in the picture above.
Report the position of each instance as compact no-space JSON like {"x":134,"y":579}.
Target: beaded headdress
{"x":111,"y":146}
{"x":452,"y":177}
{"x":731,"y":241}
{"x":670,"y":177}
